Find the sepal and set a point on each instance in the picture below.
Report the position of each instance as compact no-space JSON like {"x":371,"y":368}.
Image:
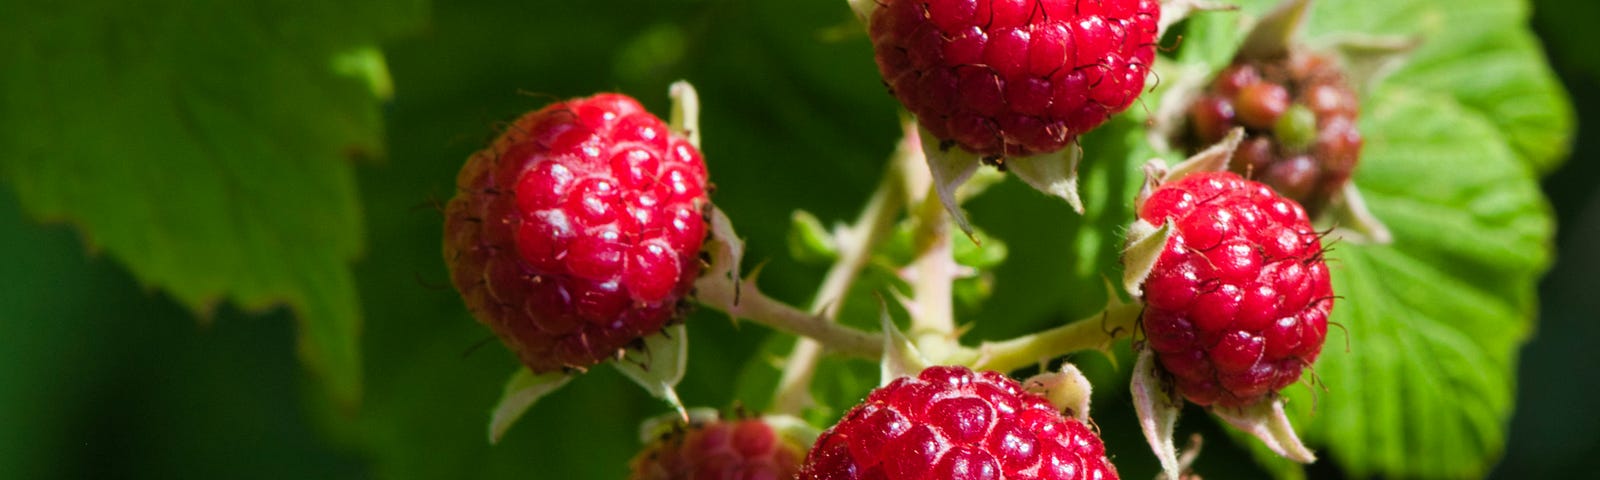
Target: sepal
{"x":522,"y":390}
{"x":1157,"y":405}
{"x":950,"y":167}
{"x":1352,"y":220}
{"x":1267,"y":421}
{"x":1068,"y":390}
{"x":900,"y":356}
{"x":1054,"y":173}
{"x":659,"y":365}
{"x":1274,"y":34}
{"x":1174,"y":11}
{"x":1144,"y":246}
{"x":685,"y":118}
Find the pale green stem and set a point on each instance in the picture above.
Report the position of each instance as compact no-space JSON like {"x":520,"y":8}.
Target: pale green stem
{"x":934,"y":271}
{"x":1094,"y":332}
{"x":756,"y":306}
{"x":855,"y":250}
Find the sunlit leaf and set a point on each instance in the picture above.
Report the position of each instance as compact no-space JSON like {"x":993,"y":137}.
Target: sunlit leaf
{"x":207,"y":146}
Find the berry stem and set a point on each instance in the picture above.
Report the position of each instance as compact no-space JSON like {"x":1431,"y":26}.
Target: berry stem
{"x":933,"y":271}
{"x":855,"y":250}
{"x":1095,"y":331}
{"x":748,"y":302}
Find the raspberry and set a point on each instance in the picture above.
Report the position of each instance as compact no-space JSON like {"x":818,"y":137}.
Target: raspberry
{"x":578,"y":231}
{"x":1237,"y":304}
{"x":734,"y":450}
{"x":1014,"y":77}
{"x":1300,"y":118}
{"x":950,"y":422}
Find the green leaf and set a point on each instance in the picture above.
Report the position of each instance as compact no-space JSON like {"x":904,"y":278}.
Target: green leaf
{"x":988,"y":252}
{"x":809,"y":241}
{"x":1501,"y":74}
{"x":1435,"y":319}
{"x":206,"y":146}
{"x":1482,"y":54}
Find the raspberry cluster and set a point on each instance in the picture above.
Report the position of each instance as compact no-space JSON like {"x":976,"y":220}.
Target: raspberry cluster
{"x":719,"y":450}
{"x":1300,"y":116}
{"x":1014,"y":77}
{"x":949,"y":422}
{"x":1237,"y":304}
{"x":578,"y":231}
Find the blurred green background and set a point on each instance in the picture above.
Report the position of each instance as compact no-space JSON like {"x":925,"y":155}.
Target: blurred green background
{"x":102,"y":375}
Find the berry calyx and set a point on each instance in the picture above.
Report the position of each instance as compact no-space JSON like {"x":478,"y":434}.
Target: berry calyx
{"x":950,"y":422}
{"x":719,"y":449}
{"x":1299,"y":115}
{"x":577,"y":232}
{"x":1236,"y":306}
{"x":1010,"y":78}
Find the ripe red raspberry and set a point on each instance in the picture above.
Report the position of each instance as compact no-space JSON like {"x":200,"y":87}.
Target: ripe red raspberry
{"x":578,"y":231}
{"x":1300,"y":118}
{"x":733,"y":450}
{"x":950,"y":422}
{"x":1237,"y":304}
{"x":1014,"y":77}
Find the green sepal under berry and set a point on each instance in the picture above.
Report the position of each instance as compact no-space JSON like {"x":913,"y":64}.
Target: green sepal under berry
{"x":523,"y":389}
{"x":659,"y":365}
{"x":1157,"y":404}
{"x":1067,"y":389}
{"x":901,"y":358}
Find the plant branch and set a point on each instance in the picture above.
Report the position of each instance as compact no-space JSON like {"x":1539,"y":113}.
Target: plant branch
{"x":748,"y":302}
{"x":1094,"y":332}
{"x":932,"y":271}
{"x":855,"y":245}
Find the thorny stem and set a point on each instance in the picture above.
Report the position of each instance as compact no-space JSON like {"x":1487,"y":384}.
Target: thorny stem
{"x":932,"y":272}
{"x":756,"y":306}
{"x":1093,"y":332}
{"x":855,"y":250}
